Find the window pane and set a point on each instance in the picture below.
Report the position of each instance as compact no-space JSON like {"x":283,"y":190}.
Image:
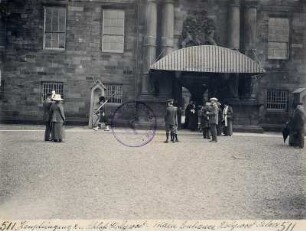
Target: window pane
{"x":113,"y":43}
{"x":62,"y":20}
{"x":48,"y":40}
{"x":55,"y":20}
{"x":62,"y":39}
{"x":48,"y":16}
{"x":277,"y":50}
{"x":54,"y":40}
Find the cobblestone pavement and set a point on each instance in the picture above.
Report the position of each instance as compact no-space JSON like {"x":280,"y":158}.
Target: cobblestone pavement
{"x":91,"y":175}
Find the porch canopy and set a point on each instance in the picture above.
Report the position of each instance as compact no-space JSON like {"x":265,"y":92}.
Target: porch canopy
{"x":208,"y":58}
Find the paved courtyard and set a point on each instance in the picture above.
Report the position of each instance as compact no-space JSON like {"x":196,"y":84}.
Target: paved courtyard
{"x":92,"y":175}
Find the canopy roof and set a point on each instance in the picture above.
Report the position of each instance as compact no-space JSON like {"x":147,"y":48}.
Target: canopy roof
{"x":208,"y":58}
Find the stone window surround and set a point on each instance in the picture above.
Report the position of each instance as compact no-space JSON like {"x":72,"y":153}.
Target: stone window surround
{"x":105,"y":8}
{"x":44,"y":37}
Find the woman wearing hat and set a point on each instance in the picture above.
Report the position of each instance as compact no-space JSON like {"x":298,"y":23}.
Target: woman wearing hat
{"x":57,"y":118}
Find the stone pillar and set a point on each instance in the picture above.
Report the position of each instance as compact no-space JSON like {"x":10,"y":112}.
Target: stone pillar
{"x":234,"y":25}
{"x":149,"y":44}
{"x":250,"y":34}
{"x":167,"y":26}
{"x":234,"y":42}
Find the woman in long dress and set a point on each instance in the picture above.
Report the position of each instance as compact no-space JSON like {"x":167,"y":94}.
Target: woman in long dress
{"x":57,"y":119}
{"x":297,"y":123}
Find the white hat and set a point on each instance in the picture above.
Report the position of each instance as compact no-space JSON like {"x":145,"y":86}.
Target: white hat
{"x":57,"y":97}
{"x":214,"y":99}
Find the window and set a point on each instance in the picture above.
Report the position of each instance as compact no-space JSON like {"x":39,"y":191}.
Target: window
{"x":48,"y":87}
{"x":113,"y":92}
{"x":113,"y":31}
{"x":278,"y":38}
{"x":55,"y":28}
{"x":277,"y":100}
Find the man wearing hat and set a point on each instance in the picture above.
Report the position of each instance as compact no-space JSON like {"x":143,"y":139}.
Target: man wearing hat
{"x":57,"y":118}
{"x":171,"y":121}
{"x":47,"y":116}
{"x":213,"y":118}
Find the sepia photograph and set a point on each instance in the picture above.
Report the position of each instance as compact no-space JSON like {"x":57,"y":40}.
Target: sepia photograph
{"x":153,"y":114}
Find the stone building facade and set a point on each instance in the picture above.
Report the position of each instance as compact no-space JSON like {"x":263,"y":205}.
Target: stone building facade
{"x":85,"y":48}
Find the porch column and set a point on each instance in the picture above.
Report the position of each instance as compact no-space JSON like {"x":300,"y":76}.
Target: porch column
{"x":250,"y":19}
{"x":149,"y":44}
{"x":234,"y":25}
{"x":167,"y":27}
{"x":234,"y":42}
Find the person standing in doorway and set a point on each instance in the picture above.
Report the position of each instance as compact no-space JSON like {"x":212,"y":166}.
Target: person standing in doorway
{"x":171,"y":122}
{"x":213,"y":118}
{"x":228,"y":119}
{"x":187,"y":113}
{"x":57,"y":119}
{"x":47,"y":116}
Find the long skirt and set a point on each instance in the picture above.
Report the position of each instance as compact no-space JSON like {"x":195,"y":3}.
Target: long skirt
{"x":57,"y":131}
{"x":296,"y":138}
{"x":228,"y":131}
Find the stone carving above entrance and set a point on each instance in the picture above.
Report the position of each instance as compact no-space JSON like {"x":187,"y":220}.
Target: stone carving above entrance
{"x":198,"y":29}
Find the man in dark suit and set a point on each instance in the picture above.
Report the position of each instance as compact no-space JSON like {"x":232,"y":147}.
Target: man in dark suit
{"x":213,"y":118}
{"x":171,"y":122}
{"x":47,"y":116}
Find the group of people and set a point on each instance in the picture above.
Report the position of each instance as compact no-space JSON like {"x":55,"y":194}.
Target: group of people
{"x":212,"y":118}
{"x":54,"y":117}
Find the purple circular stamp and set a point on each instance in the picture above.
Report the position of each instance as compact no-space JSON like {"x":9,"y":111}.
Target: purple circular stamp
{"x":134,"y":124}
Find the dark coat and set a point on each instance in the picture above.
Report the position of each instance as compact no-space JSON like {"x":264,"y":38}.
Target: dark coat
{"x":46,"y":107}
{"x":298,"y":119}
{"x":57,"y":113}
{"x":213,"y":114}
{"x":171,"y":116}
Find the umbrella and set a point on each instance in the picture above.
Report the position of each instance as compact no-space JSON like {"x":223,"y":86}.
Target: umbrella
{"x":286,"y":131}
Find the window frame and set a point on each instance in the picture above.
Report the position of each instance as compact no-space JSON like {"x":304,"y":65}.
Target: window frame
{"x":108,"y":94}
{"x":283,"y":100}
{"x":44,"y":92}
{"x":278,"y":41}
{"x":65,"y":32}
{"x":102,"y":31}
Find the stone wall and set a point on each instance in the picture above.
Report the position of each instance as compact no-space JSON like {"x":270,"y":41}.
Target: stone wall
{"x":281,"y":74}
{"x":27,"y":64}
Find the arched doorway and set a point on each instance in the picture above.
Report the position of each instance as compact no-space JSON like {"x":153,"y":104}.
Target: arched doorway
{"x":97,"y":90}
